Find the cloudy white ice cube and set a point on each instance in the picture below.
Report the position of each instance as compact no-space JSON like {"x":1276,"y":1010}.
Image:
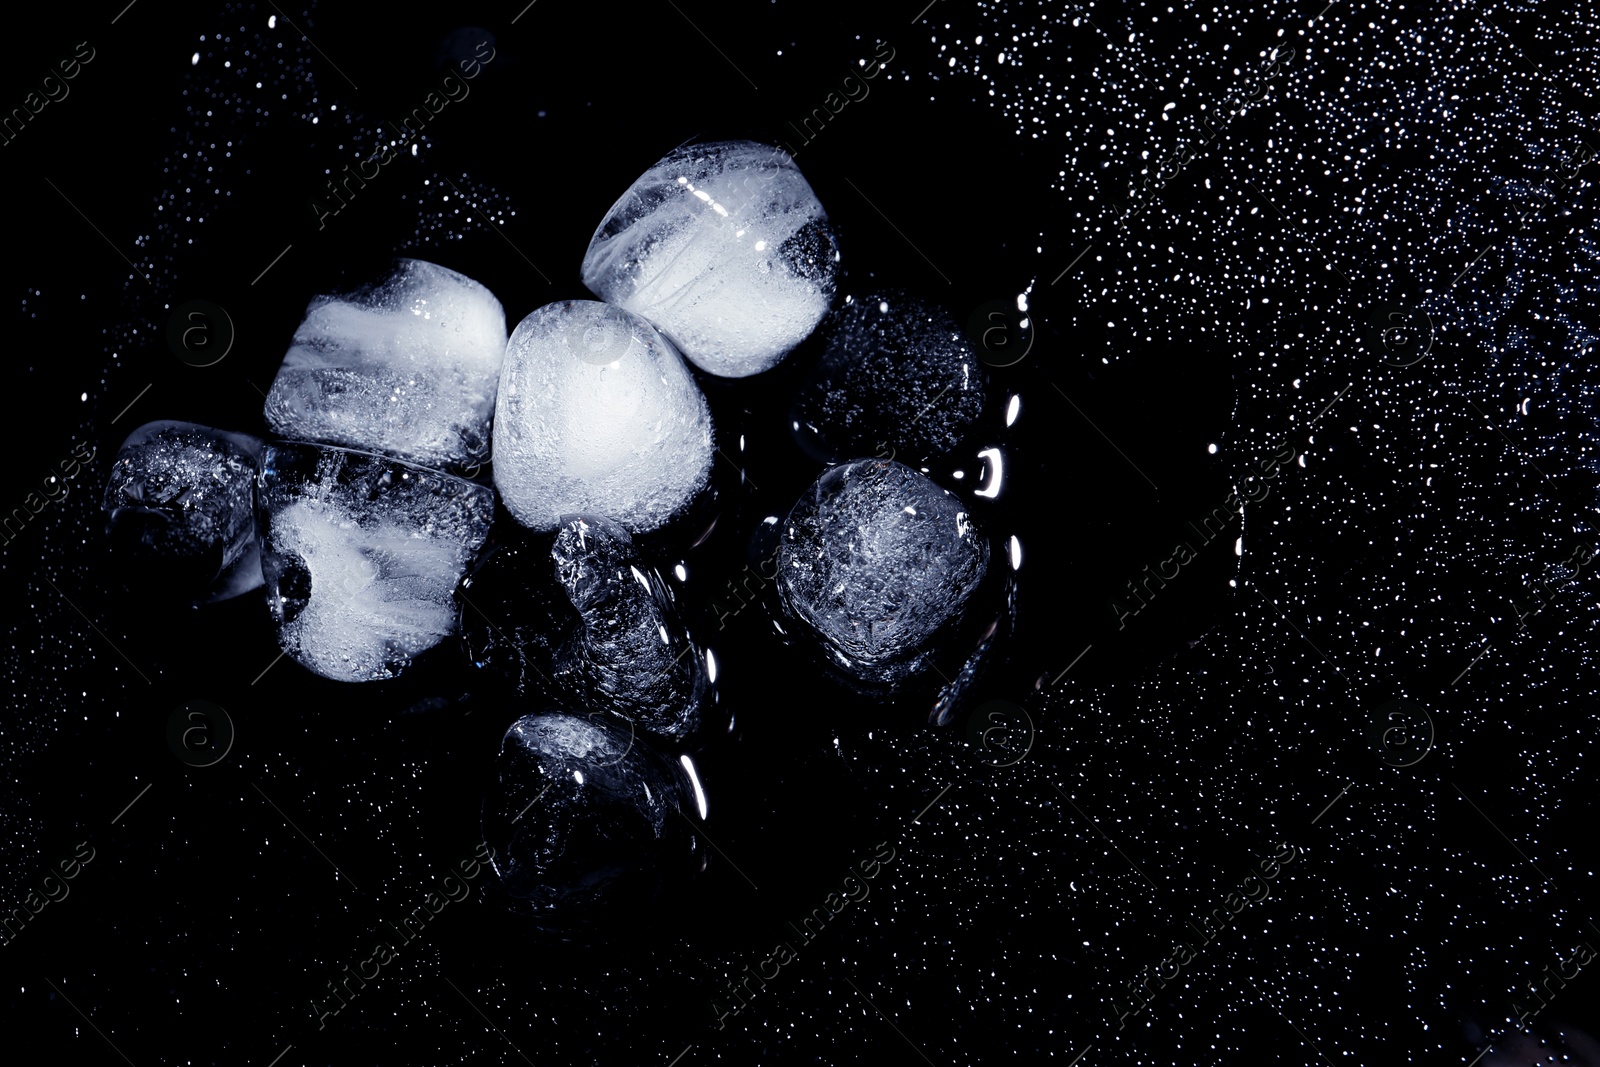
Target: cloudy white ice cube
{"x":407,"y":367}
{"x":725,"y":249}
{"x":597,"y":414}
{"x":362,"y":556}
{"x":180,"y":509}
{"x":874,"y":559}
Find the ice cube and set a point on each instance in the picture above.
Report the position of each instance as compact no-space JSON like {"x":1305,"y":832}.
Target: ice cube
{"x":585,"y":620}
{"x":597,"y":414}
{"x":407,"y":367}
{"x":725,"y":248}
{"x":583,"y":821}
{"x":362,"y":555}
{"x":874,"y":560}
{"x":898,"y":379}
{"x":180,"y":510}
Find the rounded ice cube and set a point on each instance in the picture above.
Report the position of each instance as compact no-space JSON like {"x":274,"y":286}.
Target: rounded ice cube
{"x":898,"y":378}
{"x":586,"y":822}
{"x":874,"y":560}
{"x":597,"y":414}
{"x":407,"y":367}
{"x":725,"y":249}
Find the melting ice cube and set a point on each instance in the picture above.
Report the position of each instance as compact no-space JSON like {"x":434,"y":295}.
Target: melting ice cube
{"x":874,"y":559}
{"x":362,"y":555}
{"x":597,"y":414}
{"x":407,"y":367}
{"x":180,"y":510}
{"x":897,"y":378}
{"x":725,"y":248}
{"x":585,"y":620}
{"x":580,"y":821}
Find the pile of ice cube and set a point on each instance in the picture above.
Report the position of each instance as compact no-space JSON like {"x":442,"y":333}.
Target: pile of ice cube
{"x":364,"y":513}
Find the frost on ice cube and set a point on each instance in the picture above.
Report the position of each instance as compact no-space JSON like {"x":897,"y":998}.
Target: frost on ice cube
{"x":725,"y":249}
{"x":897,"y":378}
{"x":874,"y":560}
{"x":587,"y":621}
{"x":362,"y":556}
{"x":597,"y":414}
{"x":180,"y":510}
{"x":407,"y":367}
{"x":581,"y":822}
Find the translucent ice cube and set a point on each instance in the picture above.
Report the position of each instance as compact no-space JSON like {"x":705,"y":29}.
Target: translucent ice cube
{"x":180,"y":510}
{"x":587,"y":621}
{"x":362,"y":556}
{"x":584,"y":822}
{"x":897,"y":378}
{"x":725,"y":248}
{"x":874,"y":560}
{"x":407,"y":367}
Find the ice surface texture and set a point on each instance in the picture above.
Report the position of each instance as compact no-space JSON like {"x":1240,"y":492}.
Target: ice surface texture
{"x":581,"y":821}
{"x":725,"y":248}
{"x":897,"y":378}
{"x":590,"y":623}
{"x":407,"y":367}
{"x":180,"y":510}
{"x":874,"y":559}
{"x":632,"y":655}
{"x":597,"y":414}
{"x":362,"y":555}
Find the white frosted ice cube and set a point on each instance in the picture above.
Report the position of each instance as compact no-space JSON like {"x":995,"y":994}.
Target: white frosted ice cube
{"x":597,"y":414}
{"x":407,"y":367}
{"x":725,"y":249}
{"x":362,"y":556}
